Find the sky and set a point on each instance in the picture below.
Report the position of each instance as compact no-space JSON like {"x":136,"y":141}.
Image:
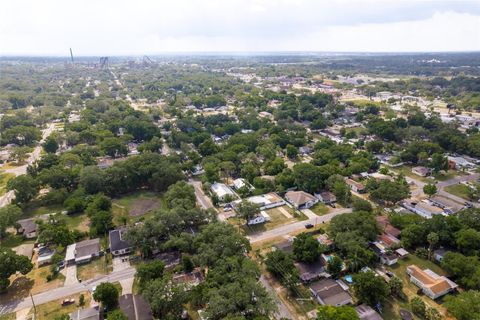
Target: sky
{"x":138,"y":27}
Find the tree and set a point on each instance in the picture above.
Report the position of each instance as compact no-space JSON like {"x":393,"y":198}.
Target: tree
{"x":19,"y":154}
{"x":465,"y":305}
{"x":390,"y":191}
{"x":25,"y":188}
{"x":468,"y":241}
{"x":334,"y":266}
{"x":116,"y":315}
{"x":8,"y":217}
{"x":107,"y":294}
{"x":10,"y":263}
{"x":149,"y":271}
{"x":180,"y":193}
{"x":439,"y":162}
{"x":418,"y":307}
{"x":247,"y":210}
{"x":432,"y":239}
{"x":166,"y":298}
{"x":81,"y":300}
{"x":114,"y":147}
{"x":306,"y":248}
{"x":292,"y":151}
{"x":465,"y":269}
{"x":362,"y":205}
{"x":101,"y":222}
{"x":370,"y":289}
{"x":92,"y":179}
{"x":433,"y":314}
{"x":55,"y":231}
{"x":396,"y":286}
{"x":336,"y":313}
{"x":50,"y":145}
{"x":430,"y":189}
{"x":280,"y":264}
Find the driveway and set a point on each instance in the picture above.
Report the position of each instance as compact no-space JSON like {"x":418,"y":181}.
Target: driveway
{"x":70,"y":273}
{"x":120,"y":263}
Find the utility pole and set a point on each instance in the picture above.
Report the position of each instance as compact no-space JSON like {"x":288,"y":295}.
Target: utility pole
{"x":34,"y":308}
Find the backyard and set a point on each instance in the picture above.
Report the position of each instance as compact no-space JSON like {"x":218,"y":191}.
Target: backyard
{"x":459,"y":190}
{"x":136,"y":205}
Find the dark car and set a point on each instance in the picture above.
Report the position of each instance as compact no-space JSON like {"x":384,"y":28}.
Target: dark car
{"x":67,"y":302}
{"x":309,"y":226}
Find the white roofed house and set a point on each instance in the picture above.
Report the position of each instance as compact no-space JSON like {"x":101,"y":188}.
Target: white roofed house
{"x":221,"y":190}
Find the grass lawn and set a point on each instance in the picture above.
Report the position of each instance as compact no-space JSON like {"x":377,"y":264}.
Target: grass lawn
{"x":52,"y":309}
{"x":12,"y":240}
{"x":407,"y":171}
{"x":94,"y":269}
{"x":409,"y":288}
{"x":35,"y":209}
{"x":459,"y":190}
{"x":78,"y":221}
{"x":10,"y":316}
{"x":39,"y":275}
{"x":448,"y":175}
{"x":4,"y":177}
{"x":320,"y":209}
{"x":136,"y":205}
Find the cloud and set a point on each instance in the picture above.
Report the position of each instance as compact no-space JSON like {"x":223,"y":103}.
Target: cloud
{"x":110,"y":27}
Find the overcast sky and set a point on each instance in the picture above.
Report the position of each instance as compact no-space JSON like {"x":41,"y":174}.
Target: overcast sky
{"x":116,"y":27}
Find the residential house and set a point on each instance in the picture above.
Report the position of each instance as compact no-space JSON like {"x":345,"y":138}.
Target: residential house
{"x":383,"y":252}
{"x":45,"y":256}
{"x":402,"y":253}
{"x":242,"y":183}
{"x":421,"y":208}
{"x":439,"y":254}
{"x":325,"y":240}
{"x":85,"y":314}
{"x":265,"y":201}
{"x":27,"y":228}
{"x":433,"y":285}
{"x":355,"y":186}
{"x":305,"y":150}
{"x":135,"y":307}
{"x":385,"y":226}
{"x":311,"y":271}
{"x":459,"y":163}
{"x":421,"y":171}
{"x":262,"y":217}
{"x":326,"y":197}
{"x":117,"y":243}
{"x":331,"y":292}
{"x":170,"y":259}
{"x":366,"y":312}
{"x":83,"y":251}
{"x":221,"y":190}
{"x":448,"y":206}
{"x":189,"y":279}
{"x":197,"y":170}
{"x":301,"y":199}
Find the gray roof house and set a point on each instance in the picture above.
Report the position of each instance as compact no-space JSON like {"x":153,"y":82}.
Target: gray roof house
{"x":331,"y":292}
{"x":117,"y":244}
{"x":28,"y":228}
{"x":135,"y":307}
{"x":83,"y":251}
{"x":366,"y":312}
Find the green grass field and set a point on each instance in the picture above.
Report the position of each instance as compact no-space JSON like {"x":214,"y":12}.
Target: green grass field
{"x":459,"y":190}
{"x":320,"y":209}
{"x":4,"y":178}
{"x":137,"y":205}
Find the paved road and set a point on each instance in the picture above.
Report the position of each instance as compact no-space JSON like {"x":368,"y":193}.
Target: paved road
{"x":202,"y":199}
{"x":442,"y":184}
{"x":35,"y":155}
{"x":66,"y":291}
{"x":283,"y":312}
{"x":289,"y":228}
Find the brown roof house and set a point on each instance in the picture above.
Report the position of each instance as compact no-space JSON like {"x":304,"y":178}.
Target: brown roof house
{"x":326,"y":197}
{"x":421,"y":171}
{"x":433,"y":285}
{"x":301,"y":199}
{"x":355,"y":186}
{"x":331,"y":292}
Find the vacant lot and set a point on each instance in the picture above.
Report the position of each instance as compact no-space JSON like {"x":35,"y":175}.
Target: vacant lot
{"x":137,"y":204}
{"x":54,"y":309}
{"x":459,"y":190}
{"x":4,"y":177}
{"x":279,"y":216}
{"x":320,"y":209}
{"x":93,"y":269}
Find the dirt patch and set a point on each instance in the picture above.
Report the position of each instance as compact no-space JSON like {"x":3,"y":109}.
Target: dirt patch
{"x":142,"y":206}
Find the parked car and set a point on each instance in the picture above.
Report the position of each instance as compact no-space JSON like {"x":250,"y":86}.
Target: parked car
{"x":309,"y":226}
{"x":67,"y":302}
